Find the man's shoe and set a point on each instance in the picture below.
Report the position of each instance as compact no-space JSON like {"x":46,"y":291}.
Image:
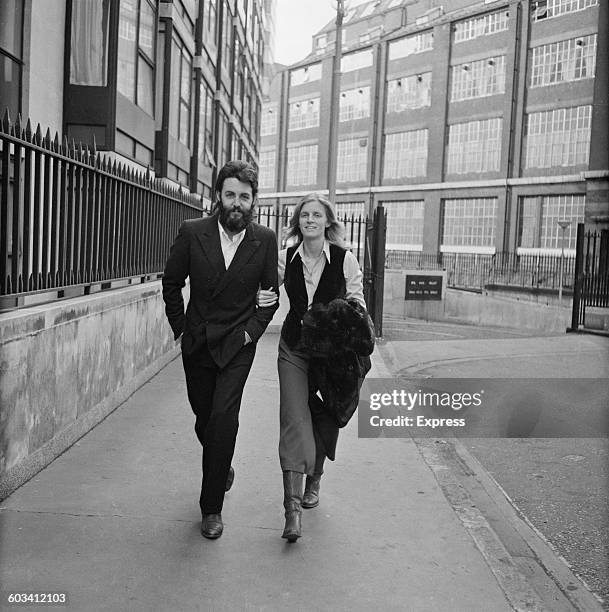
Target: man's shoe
{"x":212,"y":526}
{"x":230,"y":478}
{"x":292,"y":500}
{"x":310,"y":499}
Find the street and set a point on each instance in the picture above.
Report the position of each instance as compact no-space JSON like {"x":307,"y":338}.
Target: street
{"x":559,"y":484}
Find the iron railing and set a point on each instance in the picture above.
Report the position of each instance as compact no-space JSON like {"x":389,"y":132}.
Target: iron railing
{"x":72,"y":218}
{"x":479,"y":270}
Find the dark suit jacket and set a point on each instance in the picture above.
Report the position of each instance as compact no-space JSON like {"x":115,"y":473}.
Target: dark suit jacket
{"x":222,"y":303}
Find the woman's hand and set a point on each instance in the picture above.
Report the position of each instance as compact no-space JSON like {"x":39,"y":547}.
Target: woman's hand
{"x":266,"y":298}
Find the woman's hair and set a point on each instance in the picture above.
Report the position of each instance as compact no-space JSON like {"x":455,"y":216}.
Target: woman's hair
{"x":334,"y":233}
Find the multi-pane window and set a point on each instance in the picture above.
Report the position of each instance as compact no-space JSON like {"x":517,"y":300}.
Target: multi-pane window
{"x":546,"y":9}
{"x":409,"y":92}
{"x":474,"y":146}
{"x":404,"y":225}
{"x":469,"y":222}
{"x":304,"y":114}
{"x":308,"y":74}
{"x":405,"y":154}
{"x":302,"y":165}
{"x":356,"y":61}
{"x":266,"y":169}
{"x":268,"y":121}
{"x":206,"y":127}
{"x":352,"y":159}
{"x":539,"y":217}
{"x":566,"y":60}
{"x":484,"y":25}
{"x":559,"y":137}
{"x":11,"y":33}
{"x":409,"y":45}
{"x":478,"y":79}
{"x":354,"y":104}
{"x":181,"y":82}
{"x":350,"y":209}
{"x":136,"y":51}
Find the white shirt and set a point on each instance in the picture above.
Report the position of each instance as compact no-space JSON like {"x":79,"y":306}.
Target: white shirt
{"x":229,"y":244}
{"x":312,"y":271}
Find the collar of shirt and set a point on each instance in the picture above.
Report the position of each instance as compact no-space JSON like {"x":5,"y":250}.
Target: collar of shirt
{"x":300,"y":251}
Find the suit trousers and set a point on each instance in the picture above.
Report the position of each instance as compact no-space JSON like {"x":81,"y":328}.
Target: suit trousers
{"x":215,"y":398}
{"x":301,"y":448}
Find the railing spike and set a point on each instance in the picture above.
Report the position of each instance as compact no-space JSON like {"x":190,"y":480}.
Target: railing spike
{"x":47,"y":139}
{"x":28,"y":130}
{"x":94,"y":149}
{"x":6,"y":122}
{"x":38,"y":137}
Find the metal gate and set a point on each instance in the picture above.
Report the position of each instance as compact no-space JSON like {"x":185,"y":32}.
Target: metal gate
{"x":591,"y":287}
{"x":374,"y":267}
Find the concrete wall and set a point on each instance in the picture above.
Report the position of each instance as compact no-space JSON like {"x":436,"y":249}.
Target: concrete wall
{"x":65,"y":366}
{"x":478,"y":308}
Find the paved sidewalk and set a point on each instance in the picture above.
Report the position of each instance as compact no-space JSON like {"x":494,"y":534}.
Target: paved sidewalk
{"x":114,"y":521}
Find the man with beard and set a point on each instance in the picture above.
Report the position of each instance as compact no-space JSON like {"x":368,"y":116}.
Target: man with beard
{"x":227,"y":258}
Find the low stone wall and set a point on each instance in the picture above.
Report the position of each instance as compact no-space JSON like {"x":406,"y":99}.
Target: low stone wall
{"x":474,"y":307}
{"x":65,"y":366}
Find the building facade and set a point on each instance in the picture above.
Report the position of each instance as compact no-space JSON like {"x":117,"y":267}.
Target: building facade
{"x":478,"y":125}
{"x":170,"y":85}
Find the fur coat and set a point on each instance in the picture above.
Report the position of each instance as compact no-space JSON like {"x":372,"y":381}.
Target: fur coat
{"x":339,"y":337}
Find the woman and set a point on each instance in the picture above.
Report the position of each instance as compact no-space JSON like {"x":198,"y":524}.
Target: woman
{"x":316,"y":270}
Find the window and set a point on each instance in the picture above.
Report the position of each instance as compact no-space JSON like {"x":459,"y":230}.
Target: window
{"x":409,"y":92}
{"x":209,"y":22}
{"x":474,"y":146}
{"x":567,"y":60}
{"x":356,"y":61}
{"x":89,"y":42}
{"x":269,"y":121}
{"x":354,"y":104}
{"x":321,"y":41}
{"x":181,"y":80}
{"x":302,"y":165}
{"x":481,"y":26}
{"x":266,"y":169}
{"x":206,"y":127}
{"x":538,"y":221}
{"x":352,"y":160}
{"x":11,"y":32}
{"x":404,"y":225}
{"x":416,"y":43}
{"x":350,"y":209}
{"x":559,"y":137}
{"x":405,"y":154}
{"x":227,"y":38}
{"x":478,"y":79}
{"x":546,"y":9}
{"x":469,"y":222}
{"x":305,"y":75}
{"x":304,"y":114}
{"x":136,"y":51}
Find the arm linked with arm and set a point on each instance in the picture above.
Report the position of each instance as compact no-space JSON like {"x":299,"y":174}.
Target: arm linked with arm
{"x":259,"y":321}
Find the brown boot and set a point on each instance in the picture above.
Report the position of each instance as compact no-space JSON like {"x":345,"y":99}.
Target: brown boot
{"x":292,"y":502}
{"x":310,"y":499}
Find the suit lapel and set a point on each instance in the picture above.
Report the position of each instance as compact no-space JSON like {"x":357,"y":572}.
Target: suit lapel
{"x":246,"y":249}
{"x":209,"y":238}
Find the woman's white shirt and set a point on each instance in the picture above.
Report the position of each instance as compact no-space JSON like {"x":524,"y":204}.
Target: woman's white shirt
{"x":312,"y":271}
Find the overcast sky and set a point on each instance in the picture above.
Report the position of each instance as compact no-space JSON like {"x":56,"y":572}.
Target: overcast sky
{"x":297,"y":21}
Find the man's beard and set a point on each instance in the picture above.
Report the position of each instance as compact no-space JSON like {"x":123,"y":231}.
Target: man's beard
{"x":235,"y":223}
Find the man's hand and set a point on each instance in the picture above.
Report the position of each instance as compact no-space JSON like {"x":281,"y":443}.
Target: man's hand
{"x":266,"y":298}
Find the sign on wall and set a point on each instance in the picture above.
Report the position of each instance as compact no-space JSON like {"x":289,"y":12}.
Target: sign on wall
{"x":423,"y":287}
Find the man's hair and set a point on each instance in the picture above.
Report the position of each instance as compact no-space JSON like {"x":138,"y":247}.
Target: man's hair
{"x":240,"y":170}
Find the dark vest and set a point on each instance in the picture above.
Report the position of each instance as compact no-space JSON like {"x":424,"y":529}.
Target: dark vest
{"x":331,"y":285}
